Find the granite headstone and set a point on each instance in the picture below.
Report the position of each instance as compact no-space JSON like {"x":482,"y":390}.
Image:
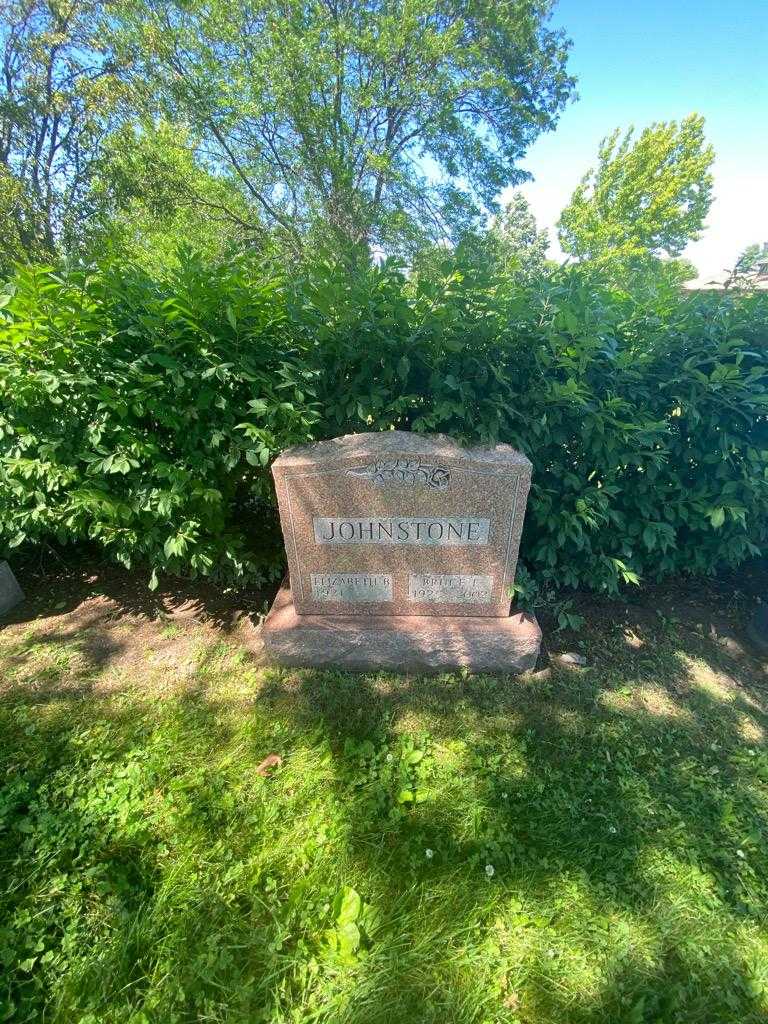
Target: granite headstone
{"x":11,"y":593}
{"x":415,"y":535}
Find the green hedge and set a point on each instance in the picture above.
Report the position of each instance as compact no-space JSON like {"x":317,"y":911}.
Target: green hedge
{"x":142,"y":414}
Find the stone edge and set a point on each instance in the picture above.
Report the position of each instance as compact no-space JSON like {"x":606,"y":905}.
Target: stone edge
{"x":403,"y":442}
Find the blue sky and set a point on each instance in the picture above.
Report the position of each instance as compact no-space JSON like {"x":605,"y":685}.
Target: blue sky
{"x":647,"y":60}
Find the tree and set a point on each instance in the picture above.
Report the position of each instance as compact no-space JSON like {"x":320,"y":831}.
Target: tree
{"x":648,"y":197}
{"x":518,"y":246}
{"x":58,"y":97}
{"x":378,"y":119}
{"x":751,"y":268}
{"x":152,"y":199}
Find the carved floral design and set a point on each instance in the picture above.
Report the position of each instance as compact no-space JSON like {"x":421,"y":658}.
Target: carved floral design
{"x":405,"y":472}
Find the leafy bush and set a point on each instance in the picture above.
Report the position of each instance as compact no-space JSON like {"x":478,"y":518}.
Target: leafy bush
{"x":643,"y":412}
{"x":143,"y":413}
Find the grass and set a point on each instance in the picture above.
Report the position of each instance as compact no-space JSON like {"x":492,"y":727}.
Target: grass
{"x":458,"y":848}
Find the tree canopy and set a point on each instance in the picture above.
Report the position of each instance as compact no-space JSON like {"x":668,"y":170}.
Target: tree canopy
{"x":751,"y":267}
{"x":647,"y":196}
{"x":517,"y":244}
{"x":58,"y":101}
{"x":380,"y":121}
{"x":371,"y":123}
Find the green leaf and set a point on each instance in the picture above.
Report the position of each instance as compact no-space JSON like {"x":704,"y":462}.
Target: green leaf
{"x":415,"y":756}
{"x":649,"y":537}
{"x":161,"y":359}
{"x":348,"y":939}
{"x":120,"y":464}
{"x":717,"y":517}
{"x":405,"y":796}
{"x":347,"y":905}
{"x":637,"y":1014}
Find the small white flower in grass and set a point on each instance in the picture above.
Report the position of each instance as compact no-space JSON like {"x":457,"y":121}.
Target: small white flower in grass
{"x":429,"y":854}
{"x":490,"y":870}
{"x":503,"y":796}
{"x":740,"y":853}
{"x":612,"y":829}
{"x":550,"y":952}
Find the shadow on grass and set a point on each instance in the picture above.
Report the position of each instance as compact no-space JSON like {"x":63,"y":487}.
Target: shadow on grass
{"x":616,"y":772}
{"x":623,"y":811}
{"x":120,"y":594}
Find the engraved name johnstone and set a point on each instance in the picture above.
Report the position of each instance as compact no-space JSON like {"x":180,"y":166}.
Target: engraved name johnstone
{"x":449,"y":531}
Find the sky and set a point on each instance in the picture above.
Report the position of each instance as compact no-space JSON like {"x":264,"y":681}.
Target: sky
{"x":640,"y":61}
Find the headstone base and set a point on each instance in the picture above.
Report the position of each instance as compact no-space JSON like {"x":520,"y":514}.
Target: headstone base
{"x":11,"y":593}
{"x":401,"y":642}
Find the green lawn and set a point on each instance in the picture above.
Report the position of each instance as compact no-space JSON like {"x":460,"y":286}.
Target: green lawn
{"x":593,"y":848}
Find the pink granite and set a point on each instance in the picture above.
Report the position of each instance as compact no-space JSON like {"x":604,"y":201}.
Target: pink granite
{"x":400,"y":642}
{"x":401,"y":524}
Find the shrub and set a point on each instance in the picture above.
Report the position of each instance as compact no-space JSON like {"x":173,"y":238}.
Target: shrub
{"x":143,"y":413}
{"x":643,"y":413}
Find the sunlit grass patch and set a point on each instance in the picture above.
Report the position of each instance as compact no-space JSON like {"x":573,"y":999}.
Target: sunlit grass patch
{"x":709,"y":680}
{"x":750,"y":731}
{"x":647,"y":700}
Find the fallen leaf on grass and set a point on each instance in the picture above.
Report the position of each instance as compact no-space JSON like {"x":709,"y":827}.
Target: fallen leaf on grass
{"x":271,"y":761}
{"x":572,"y":658}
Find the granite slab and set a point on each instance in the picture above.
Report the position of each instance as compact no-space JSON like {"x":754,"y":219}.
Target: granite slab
{"x":404,"y":643}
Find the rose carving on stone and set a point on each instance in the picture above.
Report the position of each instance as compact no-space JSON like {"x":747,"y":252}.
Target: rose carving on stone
{"x":404,"y":472}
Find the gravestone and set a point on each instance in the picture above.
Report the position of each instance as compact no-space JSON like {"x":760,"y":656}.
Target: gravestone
{"x":401,"y":551}
{"x":11,"y":593}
